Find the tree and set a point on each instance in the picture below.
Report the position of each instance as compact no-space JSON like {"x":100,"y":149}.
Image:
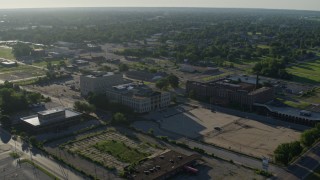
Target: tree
{"x":34,"y":97}
{"x":98,"y":100}
{"x":287,"y":151}
{"x":119,"y":118}
{"x":62,"y":63}
{"x":12,"y":101}
{"x":83,"y":107}
{"x":123,"y":67}
{"x":309,"y":136}
{"x":151,"y":131}
{"x":21,"y":49}
{"x":173,"y":80}
{"x":162,"y":83}
{"x":49,"y":66}
{"x":192,"y":94}
{"x":5,"y":121}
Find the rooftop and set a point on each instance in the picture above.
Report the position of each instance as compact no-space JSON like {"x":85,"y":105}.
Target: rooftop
{"x":251,"y":79}
{"x":51,"y":111}
{"x":35,"y":121}
{"x":99,"y":75}
{"x":137,"y":90}
{"x":259,"y":90}
{"x":8,"y":62}
{"x":163,"y":164}
{"x":314,"y":116}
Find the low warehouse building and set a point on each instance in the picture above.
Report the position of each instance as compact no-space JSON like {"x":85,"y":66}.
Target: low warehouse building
{"x":164,"y":166}
{"x":49,"y":120}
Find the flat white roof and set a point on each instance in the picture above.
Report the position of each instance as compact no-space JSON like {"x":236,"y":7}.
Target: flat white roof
{"x":8,"y":63}
{"x":51,"y":111}
{"x":34,"y":120}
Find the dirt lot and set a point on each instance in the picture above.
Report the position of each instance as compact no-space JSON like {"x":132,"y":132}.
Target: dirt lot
{"x":228,"y":131}
{"x":60,"y":89}
{"x":251,"y":137}
{"x":19,"y":73}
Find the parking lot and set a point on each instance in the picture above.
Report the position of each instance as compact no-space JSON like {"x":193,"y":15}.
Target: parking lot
{"x":10,"y":169}
{"x":232,"y":132}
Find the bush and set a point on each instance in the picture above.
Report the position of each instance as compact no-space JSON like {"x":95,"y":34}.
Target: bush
{"x":164,"y":138}
{"x":263,"y":173}
{"x":119,"y":118}
{"x":83,"y":107}
{"x":14,"y":155}
{"x":287,"y":151}
{"x":199,"y":150}
{"x":310,"y":136}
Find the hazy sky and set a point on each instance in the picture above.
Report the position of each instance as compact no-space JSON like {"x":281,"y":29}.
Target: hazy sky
{"x":269,"y":4}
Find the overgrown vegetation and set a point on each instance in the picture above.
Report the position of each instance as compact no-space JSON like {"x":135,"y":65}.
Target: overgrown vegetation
{"x":171,"y":80}
{"x":83,"y":107}
{"x":121,"y":151}
{"x":13,"y":99}
{"x":14,"y":155}
{"x":286,"y":152}
{"x":310,"y":136}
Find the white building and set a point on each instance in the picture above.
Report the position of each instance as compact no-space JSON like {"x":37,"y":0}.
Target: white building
{"x":99,"y":83}
{"x":50,"y":120}
{"x":139,"y":97}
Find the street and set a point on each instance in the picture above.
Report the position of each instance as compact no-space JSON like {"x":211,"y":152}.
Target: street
{"x":37,"y":156}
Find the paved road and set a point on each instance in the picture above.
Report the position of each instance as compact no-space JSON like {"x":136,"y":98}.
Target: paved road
{"x":292,"y":172}
{"x":256,"y":117}
{"x":51,"y":165}
{"x":308,"y":162}
{"x":240,"y":159}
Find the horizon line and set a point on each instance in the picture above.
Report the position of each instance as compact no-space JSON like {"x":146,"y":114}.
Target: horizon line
{"x":182,"y":7}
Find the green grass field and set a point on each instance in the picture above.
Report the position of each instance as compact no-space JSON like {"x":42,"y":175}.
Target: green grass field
{"x":6,"y":53}
{"x":299,"y":105}
{"x":263,"y":46}
{"x":44,"y":63}
{"x":306,"y":73}
{"x":120,"y":151}
{"x":19,"y":68}
{"x":313,"y":98}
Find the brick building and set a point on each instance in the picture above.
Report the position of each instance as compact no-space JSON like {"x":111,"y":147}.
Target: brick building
{"x":223,"y":92}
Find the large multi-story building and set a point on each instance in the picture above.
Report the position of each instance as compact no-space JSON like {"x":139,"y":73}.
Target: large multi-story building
{"x":99,"y":83}
{"x":224,"y":92}
{"x":139,"y":97}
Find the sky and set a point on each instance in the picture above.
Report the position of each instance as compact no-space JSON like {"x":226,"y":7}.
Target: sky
{"x":267,"y":4}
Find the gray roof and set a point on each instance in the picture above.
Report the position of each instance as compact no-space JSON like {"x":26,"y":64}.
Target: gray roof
{"x":50,"y":111}
{"x":315,"y":116}
{"x":34,"y":119}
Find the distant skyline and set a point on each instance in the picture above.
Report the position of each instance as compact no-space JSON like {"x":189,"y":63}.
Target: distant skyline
{"x":266,"y":4}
